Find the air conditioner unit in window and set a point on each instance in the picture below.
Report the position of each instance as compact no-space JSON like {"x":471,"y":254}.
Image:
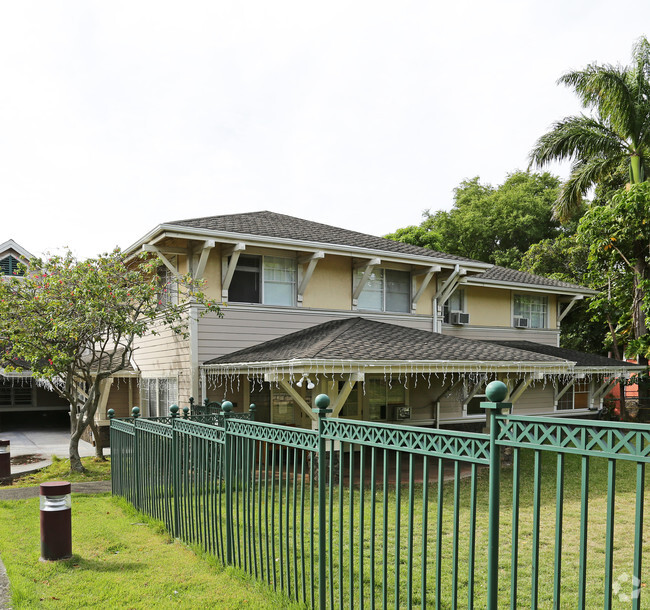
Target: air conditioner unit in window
{"x":521,"y":323}
{"x":458,"y":318}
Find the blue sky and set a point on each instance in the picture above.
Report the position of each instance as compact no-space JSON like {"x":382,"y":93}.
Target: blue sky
{"x":117,"y":116}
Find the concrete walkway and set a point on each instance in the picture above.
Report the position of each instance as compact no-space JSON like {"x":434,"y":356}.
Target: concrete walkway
{"x":37,"y":446}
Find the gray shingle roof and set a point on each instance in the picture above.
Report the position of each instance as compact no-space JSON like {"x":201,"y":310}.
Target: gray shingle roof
{"x":362,"y":339}
{"x":582,"y":359}
{"x":503,"y":274}
{"x":282,"y":226}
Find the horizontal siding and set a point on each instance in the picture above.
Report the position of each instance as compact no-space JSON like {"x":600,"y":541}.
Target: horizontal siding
{"x":165,"y":354}
{"x":536,"y":400}
{"x":246,"y":326}
{"x":478,"y":333}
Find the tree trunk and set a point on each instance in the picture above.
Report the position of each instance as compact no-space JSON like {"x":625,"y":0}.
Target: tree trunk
{"x":99,"y":444}
{"x":75,"y":458}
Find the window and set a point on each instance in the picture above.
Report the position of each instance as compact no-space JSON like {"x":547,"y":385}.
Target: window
{"x":577,"y":397}
{"x":386,"y":290}
{"x":168,"y":294}
{"x":533,"y":308}
{"x":456,"y":302}
{"x":157,"y":395}
{"x":264,"y":279}
{"x":384,"y":400}
{"x":9,"y":266}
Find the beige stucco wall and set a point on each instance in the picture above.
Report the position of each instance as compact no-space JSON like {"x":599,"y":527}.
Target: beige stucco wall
{"x":493,"y":306}
{"x":331,"y":284}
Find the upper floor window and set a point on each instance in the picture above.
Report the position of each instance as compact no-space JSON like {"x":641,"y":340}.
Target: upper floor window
{"x":264,"y":279}
{"x":456,"y":302}
{"x":386,"y":290}
{"x":168,"y":294}
{"x":530,"y":311}
{"x":9,"y":266}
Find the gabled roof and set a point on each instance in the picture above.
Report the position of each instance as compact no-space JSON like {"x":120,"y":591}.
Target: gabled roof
{"x":11,"y":246}
{"x":582,"y":359}
{"x":359,"y":339}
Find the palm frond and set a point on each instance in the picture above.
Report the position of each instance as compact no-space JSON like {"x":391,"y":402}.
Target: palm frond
{"x":578,"y":137}
{"x":585,"y":174}
{"x":610,"y":92}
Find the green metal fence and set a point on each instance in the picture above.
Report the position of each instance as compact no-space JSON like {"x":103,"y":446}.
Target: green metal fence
{"x":359,"y":514}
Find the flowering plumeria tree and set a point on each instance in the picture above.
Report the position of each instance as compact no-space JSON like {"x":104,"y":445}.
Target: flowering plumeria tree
{"x":73,"y":323}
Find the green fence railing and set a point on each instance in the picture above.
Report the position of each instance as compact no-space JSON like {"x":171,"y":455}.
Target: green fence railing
{"x":361,"y":514}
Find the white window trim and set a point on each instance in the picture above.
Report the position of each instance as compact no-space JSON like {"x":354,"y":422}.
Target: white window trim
{"x":383,"y":309}
{"x":546,"y":315}
{"x":262,"y":286}
{"x":158,"y":377}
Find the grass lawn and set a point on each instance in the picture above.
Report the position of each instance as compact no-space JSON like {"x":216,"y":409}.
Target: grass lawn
{"x":121,"y":560}
{"x":96,"y":470}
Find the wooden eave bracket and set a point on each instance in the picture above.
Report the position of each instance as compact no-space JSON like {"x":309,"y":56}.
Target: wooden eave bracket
{"x":203,"y":259}
{"x":449,"y":285}
{"x":428,"y":275}
{"x":604,"y":388}
{"x":564,"y":390}
{"x":522,"y":386}
{"x":311,"y":261}
{"x":345,"y":392}
{"x":298,"y":399}
{"x":162,"y":256}
{"x":474,"y":391}
{"x":228,"y":267}
{"x":369,"y":266}
{"x":568,"y":308}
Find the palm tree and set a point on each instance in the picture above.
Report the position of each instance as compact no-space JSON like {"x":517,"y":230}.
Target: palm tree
{"x":613,"y":139}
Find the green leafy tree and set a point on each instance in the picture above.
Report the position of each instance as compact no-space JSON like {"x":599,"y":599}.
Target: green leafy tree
{"x":495,"y":225}
{"x":593,"y":325}
{"x":73,"y":323}
{"x":610,"y":145}
{"x":618,"y":236}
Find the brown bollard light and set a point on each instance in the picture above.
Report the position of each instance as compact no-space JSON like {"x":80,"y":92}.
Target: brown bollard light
{"x":5,"y":460}
{"x":56,"y":520}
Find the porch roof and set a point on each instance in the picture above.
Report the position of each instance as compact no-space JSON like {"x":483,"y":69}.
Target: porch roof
{"x":358,"y":344}
{"x":584,"y":361}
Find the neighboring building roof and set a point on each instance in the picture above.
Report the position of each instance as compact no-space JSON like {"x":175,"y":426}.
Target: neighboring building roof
{"x":360,"y":339}
{"x":582,"y":359}
{"x":282,"y":226}
{"x":10,"y":245}
{"x":502,"y":275}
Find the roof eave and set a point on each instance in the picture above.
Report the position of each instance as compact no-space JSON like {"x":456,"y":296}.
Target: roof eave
{"x":182,"y":232}
{"x":578,"y":290}
{"x":396,"y":366}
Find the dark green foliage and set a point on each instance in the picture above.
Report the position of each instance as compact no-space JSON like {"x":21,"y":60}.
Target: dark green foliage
{"x":494,"y":225}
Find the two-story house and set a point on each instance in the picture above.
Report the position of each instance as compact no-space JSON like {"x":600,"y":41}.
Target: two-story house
{"x":391,"y":331}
